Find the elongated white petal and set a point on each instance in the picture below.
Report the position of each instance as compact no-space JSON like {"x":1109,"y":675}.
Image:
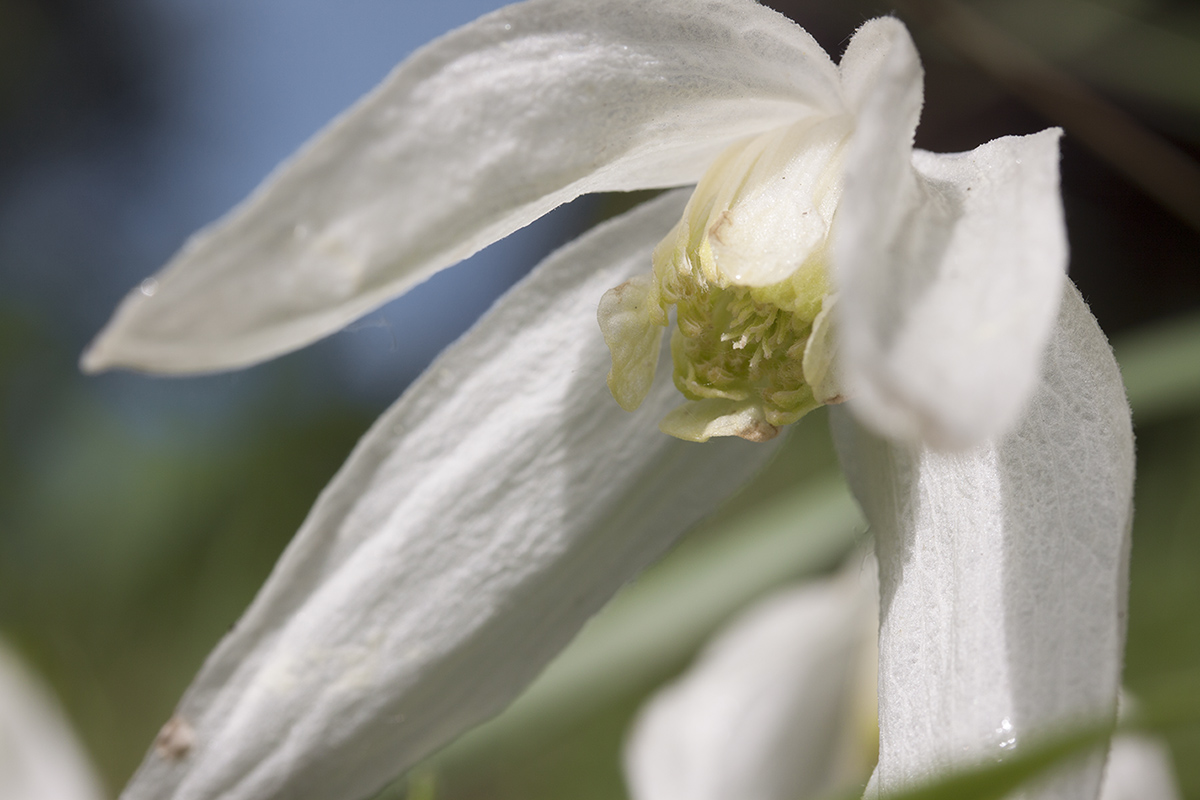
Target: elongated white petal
{"x":950,"y":267}
{"x":478,"y":134}
{"x":770,"y":710}
{"x":1003,"y":570}
{"x":1139,"y":768}
{"x":475,"y":528}
{"x":671,"y":610}
{"x":40,"y":758}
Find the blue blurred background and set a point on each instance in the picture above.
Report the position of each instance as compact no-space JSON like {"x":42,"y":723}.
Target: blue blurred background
{"x":138,"y":515}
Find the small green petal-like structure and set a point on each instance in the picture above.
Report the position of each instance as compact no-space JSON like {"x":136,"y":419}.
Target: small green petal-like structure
{"x":746,"y":270}
{"x":632,"y":317}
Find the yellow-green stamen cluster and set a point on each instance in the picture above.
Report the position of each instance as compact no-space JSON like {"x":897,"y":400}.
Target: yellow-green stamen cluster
{"x":743,"y":343}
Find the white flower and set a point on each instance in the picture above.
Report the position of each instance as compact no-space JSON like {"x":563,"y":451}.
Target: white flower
{"x":505,"y":497}
{"x":1139,"y":768}
{"x":40,"y":757}
{"x":777,"y":708}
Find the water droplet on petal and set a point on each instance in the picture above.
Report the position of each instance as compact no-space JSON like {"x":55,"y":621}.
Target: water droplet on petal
{"x":149,"y":287}
{"x":1007,"y":738}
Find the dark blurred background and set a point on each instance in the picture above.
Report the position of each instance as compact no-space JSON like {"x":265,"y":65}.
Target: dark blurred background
{"x":138,"y":515}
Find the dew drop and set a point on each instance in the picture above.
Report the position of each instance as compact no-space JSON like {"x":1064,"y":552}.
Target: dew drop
{"x":149,"y":287}
{"x":1005,"y":734}
{"x":507,"y":27}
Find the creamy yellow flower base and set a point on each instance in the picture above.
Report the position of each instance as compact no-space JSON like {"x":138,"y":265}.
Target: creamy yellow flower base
{"x":746,"y":270}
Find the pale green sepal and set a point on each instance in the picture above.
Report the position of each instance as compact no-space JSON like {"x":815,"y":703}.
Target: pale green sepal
{"x":632,"y":320}
{"x":820,"y":362}
{"x":700,"y":420}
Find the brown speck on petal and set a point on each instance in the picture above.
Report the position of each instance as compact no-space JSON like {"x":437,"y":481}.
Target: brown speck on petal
{"x":175,"y":739}
{"x":715,"y":230}
{"x":759,"y":431}
{"x":618,"y":292}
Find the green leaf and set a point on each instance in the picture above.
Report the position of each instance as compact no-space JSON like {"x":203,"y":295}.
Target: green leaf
{"x":1172,"y":702}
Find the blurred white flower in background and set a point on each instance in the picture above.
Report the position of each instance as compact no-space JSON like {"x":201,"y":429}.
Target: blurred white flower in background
{"x":781,"y":706}
{"x":505,"y":497}
{"x":1139,"y":768}
{"x":40,"y":757}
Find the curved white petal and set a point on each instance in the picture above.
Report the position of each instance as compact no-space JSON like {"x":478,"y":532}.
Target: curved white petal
{"x":479,"y":523}
{"x":881,"y":74}
{"x":770,"y":710}
{"x":950,"y":267}
{"x":1139,"y":768}
{"x":1003,"y":570}
{"x":40,"y":758}
{"x":475,"y":136}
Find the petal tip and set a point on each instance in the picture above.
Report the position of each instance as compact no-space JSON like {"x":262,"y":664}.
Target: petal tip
{"x":102,"y":354}
{"x":92,"y":361}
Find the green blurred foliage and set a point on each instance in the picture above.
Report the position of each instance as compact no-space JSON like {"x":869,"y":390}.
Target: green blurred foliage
{"x":125,"y":556}
{"x":1164,"y":627}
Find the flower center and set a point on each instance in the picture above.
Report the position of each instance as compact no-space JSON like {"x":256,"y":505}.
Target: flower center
{"x":743,"y":343}
{"x":746,"y":270}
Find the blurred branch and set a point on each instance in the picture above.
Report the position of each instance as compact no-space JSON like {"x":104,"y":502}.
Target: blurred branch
{"x":1159,"y":168}
{"x":1161,"y":367}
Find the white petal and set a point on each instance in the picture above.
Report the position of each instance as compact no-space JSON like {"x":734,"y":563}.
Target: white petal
{"x":475,"y":136}
{"x":668,"y":613}
{"x":768,"y":712}
{"x":881,"y":67}
{"x":40,"y":758}
{"x":1003,"y":570}
{"x":766,"y":205}
{"x":950,"y":267}
{"x":479,"y":523}
{"x":1139,"y":768}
